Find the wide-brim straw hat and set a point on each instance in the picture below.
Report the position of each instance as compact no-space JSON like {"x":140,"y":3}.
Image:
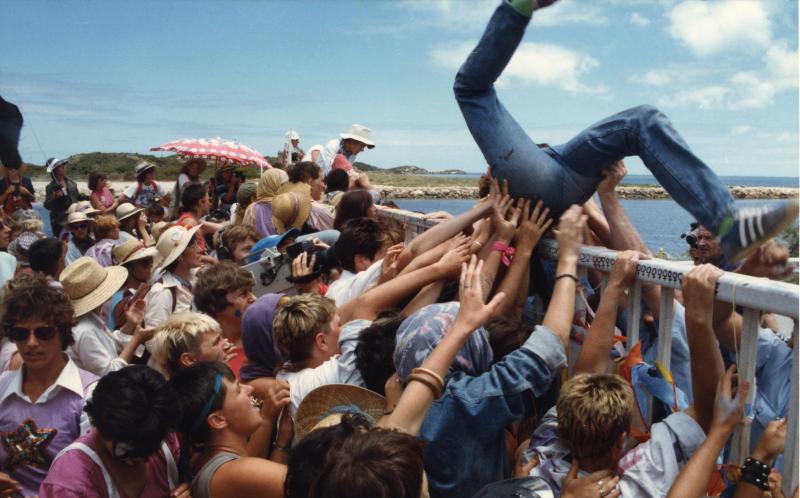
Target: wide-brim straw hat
{"x":360,"y":133}
{"x":78,"y":217}
{"x":132,"y":250}
{"x":172,"y":242}
{"x":291,"y":207}
{"x":158,"y":228}
{"x":325,"y":405}
{"x":84,"y":207}
{"x":89,"y":285}
{"x":126,"y":210}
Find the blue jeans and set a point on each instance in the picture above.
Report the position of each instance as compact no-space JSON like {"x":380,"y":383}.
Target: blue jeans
{"x":568,"y":174}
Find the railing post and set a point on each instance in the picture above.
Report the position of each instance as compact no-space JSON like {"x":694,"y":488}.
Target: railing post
{"x":666,"y":312}
{"x":790,"y":455}
{"x":634,"y":314}
{"x":746,"y":365}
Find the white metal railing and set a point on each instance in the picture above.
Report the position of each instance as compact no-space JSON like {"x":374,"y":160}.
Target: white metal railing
{"x":755,"y":295}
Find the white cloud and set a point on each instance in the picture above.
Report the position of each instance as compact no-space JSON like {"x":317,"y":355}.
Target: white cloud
{"x":570,"y":12}
{"x":656,"y":77}
{"x":532,"y":63}
{"x":465,"y":15}
{"x":782,"y":65}
{"x":741,"y":130}
{"x":709,"y":28}
{"x":710,"y":97}
{"x":639,"y":20}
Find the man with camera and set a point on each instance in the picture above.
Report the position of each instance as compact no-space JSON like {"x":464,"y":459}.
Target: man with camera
{"x":16,"y":191}
{"x":60,"y":194}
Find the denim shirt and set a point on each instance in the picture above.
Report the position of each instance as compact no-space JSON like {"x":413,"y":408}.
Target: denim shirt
{"x":464,"y":428}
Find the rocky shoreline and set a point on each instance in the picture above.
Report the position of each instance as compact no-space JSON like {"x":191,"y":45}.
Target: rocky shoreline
{"x":640,"y":192}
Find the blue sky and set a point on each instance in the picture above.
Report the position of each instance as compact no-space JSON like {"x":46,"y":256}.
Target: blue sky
{"x":125,"y":76}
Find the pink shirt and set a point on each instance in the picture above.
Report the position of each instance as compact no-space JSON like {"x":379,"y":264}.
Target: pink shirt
{"x":74,"y":474}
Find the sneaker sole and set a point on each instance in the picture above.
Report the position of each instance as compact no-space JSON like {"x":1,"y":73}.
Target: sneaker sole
{"x":789,"y":216}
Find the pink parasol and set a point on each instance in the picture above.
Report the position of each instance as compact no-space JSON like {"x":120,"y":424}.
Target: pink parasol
{"x":223,"y":151}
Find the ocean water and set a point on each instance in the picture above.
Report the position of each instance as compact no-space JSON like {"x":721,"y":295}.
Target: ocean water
{"x":746,"y":181}
{"x":659,"y":222}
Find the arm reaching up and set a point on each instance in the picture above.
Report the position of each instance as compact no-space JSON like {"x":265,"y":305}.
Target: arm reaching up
{"x":417,"y":397}
{"x":594,"y":354}
{"x":706,"y":361}
{"x":528,"y":234}
{"x":569,"y":235}
{"x":728,"y":413}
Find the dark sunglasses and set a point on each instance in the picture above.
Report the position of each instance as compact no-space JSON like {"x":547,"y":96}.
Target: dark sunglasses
{"x":18,"y":334}
{"x":80,"y":226}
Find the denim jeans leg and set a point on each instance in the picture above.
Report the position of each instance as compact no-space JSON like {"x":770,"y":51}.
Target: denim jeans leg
{"x":511,"y":153}
{"x":646,"y":132}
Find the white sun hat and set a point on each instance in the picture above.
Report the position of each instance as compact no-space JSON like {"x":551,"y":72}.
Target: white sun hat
{"x":361,"y":134}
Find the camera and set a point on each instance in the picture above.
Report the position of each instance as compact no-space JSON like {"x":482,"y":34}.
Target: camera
{"x":326,"y":258}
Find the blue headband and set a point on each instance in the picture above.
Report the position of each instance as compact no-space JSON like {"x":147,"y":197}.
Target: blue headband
{"x":185,"y":450}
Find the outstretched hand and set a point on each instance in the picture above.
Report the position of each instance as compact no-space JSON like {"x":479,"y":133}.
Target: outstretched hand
{"x":729,"y":407}
{"x":570,"y":232}
{"x":611,"y":177}
{"x":473,"y":312}
{"x":698,"y":291}
{"x":532,"y":226}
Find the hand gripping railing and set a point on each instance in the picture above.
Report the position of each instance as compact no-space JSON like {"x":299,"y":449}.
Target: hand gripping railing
{"x":755,"y":295}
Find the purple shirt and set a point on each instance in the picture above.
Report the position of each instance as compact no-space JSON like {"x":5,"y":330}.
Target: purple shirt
{"x":31,"y":434}
{"x":75,"y":474}
{"x":262,"y":212}
{"x":101,"y":252}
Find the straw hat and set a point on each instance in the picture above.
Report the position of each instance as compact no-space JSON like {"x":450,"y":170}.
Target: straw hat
{"x":172,"y":242}
{"x":126,"y":210}
{"x":84,"y":207}
{"x":360,"y":133}
{"x":324,"y":406}
{"x":132,"y":250}
{"x":89,"y":285}
{"x":158,"y":228}
{"x":291,"y":208}
{"x":78,"y":217}
{"x":142,"y":167}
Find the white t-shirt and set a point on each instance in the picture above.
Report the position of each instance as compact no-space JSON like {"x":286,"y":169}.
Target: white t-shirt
{"x":351,"y":285}
{"x":339,"y":369}
{"x":647,"y":471}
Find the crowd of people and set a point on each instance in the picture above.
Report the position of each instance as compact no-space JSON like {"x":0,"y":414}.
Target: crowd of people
{"x":135,"y":359}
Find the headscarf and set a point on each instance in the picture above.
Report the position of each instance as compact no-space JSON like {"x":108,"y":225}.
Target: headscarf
{"x":269,"y":183}
{"x":420,"y":333}
{"x":257,"y":339}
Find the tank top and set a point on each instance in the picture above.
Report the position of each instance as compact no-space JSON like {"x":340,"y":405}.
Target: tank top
{"x":201,"y":484}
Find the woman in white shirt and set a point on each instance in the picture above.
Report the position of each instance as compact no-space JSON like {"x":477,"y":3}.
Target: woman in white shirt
{"x":97,"y":349}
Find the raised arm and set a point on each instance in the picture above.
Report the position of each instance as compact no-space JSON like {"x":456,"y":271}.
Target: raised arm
{"x":728,"y":413}
{"x":417,"y":397}
{"x":706,"y":361}
{"x":385,"y":296}
{"x":530,"y":230}
{"x":569,"y":235}
{"x":443,"y":231}
{"x":593,"y":357}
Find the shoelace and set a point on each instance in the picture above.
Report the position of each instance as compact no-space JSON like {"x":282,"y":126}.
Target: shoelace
{"x":751,"y":218}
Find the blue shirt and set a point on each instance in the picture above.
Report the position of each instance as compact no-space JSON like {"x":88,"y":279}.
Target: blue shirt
{"x":464,"y":428}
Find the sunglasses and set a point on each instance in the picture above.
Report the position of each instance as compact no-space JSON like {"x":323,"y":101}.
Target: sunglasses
{"x":18,"y":334}
{"x":80,"y":226}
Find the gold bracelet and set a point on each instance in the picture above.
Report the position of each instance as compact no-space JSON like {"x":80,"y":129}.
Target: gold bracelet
{"x":428,"y":382}
{"x":437,"y":377}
